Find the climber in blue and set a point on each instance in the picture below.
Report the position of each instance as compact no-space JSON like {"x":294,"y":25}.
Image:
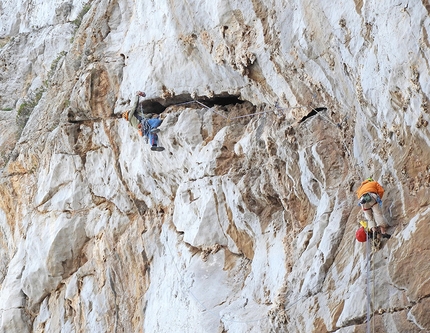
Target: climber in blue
{"x":149,"y":128}
{"x":146,"y":123}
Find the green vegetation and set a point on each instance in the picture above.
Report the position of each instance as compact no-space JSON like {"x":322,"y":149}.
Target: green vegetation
{"x":54,"y":65}
{"x":78,"y":21}
{"x":27,"y":107}
{"x":55,"y":62}
{"x":7,"y":109}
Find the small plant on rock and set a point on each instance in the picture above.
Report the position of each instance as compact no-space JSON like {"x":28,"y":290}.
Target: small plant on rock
{"x":78,"y":21}
{"x":26,"y":108}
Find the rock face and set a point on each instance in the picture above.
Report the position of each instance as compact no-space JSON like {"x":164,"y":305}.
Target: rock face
{"x":246,"y":221}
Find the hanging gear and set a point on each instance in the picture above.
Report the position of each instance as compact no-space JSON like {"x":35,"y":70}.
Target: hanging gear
{"x":361,"y":235}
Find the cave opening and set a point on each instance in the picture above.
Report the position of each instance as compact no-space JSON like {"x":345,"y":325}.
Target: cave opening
{"x":221,"y":99}
{"x":158,"y":105}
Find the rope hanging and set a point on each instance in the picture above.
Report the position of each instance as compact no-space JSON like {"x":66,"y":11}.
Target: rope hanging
{"x":246,"y":115}
{"x":368,"y":284}
{"x":373,"y":279}
{"x":371,"y":248}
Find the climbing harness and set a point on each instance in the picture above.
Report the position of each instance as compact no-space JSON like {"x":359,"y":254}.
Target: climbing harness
{"x":146,"y":128}
{"x":364,"y":233}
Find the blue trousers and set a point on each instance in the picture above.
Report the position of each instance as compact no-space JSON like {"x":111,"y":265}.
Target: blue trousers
{"x":148,"y":125}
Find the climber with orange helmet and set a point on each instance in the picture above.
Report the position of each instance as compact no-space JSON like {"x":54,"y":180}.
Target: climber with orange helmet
{"x":369,"y":195}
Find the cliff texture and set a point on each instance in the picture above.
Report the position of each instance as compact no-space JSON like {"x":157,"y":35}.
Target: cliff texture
{"x":246,"y":222}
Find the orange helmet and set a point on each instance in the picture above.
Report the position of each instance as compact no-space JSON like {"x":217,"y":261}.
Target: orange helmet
{"x":125,"y":115}
{"x":361,"y":235}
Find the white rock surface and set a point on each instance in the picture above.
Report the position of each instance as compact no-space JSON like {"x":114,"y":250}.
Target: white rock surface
{"x":246,"y":222}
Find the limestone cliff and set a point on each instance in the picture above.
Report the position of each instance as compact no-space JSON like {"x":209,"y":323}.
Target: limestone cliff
{"x":246,"y":222}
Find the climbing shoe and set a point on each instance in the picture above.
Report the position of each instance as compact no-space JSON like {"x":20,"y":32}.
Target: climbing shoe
{"x":387,"y":236}
{"x":155,"y":130}
{"x":155,"y":148}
